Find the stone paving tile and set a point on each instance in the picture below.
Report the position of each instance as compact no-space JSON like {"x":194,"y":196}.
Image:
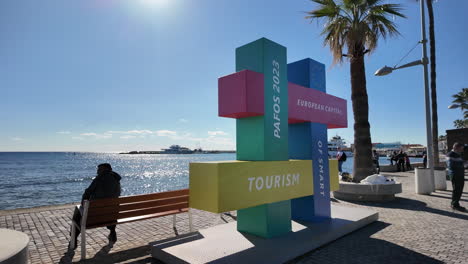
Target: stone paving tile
{"x":412,"y":229}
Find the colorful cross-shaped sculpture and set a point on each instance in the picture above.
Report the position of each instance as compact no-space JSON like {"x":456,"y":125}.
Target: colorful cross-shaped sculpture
{"x":276,"y":121}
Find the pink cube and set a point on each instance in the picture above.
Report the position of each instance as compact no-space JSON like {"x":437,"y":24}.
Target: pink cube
{"x":241,"y":94}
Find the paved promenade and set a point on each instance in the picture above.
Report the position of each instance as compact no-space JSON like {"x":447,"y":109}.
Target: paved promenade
{"x":412,"y":229}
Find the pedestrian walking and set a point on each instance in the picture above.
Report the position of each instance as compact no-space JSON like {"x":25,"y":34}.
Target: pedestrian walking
{"x":400,"y":160}
{"x":375,"y":159}
{"x":425,"y":159}
{"x":393,"y":158}
{"x":341,"y":157}
{"x":407,"y":163}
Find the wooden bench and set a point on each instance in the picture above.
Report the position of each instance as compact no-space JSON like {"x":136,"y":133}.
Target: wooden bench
{"x":113,"y":211}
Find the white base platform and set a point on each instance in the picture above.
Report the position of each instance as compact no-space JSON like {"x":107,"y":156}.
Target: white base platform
{"x":224,"y":244}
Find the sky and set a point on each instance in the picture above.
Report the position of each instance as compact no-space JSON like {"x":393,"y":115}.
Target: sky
{"x":108,"y":76}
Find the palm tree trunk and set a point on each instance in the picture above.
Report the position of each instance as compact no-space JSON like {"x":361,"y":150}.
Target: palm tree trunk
{"x":435,"y":127}
{"x":363,"y":165}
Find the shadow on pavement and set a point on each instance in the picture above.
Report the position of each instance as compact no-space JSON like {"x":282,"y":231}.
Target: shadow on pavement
{"x":360,"y":247}
{"x":414,"y":205}
{"x":137,"y":255}
{"x":449,"y":192}
{"x":67,"y":257}
{"x":446,"y":197}
{"x":228,"y":214}
{"x":356,"y":247}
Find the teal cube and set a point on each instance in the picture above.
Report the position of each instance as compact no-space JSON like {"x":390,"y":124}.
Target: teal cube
{"x":268,"y":220}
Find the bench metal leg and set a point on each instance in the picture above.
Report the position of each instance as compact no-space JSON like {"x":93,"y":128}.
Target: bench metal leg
{"x":72,"y":236}
{"x":83,"y":229}
{"x":190,"y":220}
{"x":83,"y":244}
{"x":174,"y":221}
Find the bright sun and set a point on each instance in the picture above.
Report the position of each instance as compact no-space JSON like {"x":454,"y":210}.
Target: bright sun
{"x":155,"y":3}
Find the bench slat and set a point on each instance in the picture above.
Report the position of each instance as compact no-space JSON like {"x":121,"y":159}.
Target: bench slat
{"x":112,"y":218}
{"x":96,"y":211}
{"x":139,"y":218}
{"x":154,"y":210}
{"x":137,"y":198}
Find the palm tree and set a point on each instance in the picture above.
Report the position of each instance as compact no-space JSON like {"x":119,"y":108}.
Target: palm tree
{"x":356,"y":25}
{"x":459,"y":123}
{"x":461,"y":100}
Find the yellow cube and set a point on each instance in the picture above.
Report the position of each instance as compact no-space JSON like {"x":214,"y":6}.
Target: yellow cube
{"x":334,"y":180}
{"x":231,"y":185}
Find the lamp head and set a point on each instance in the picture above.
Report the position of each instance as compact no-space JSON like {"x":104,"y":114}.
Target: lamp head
{"x":385,"y":70}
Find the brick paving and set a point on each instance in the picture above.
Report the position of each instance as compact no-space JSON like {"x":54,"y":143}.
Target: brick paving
{"x":412,"y":229}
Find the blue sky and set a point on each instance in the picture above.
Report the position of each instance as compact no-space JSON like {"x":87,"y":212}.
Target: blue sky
{"x":103,"y":75}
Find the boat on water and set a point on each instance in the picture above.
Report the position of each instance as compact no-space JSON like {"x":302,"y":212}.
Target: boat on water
{"x":338,"y":143}
{"x":177,"y":149}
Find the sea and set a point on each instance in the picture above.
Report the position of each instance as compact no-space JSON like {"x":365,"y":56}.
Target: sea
{"x":31,"y":179}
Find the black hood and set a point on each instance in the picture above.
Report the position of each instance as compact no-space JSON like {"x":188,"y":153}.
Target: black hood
{"x":115,"y":175}
{"x":111,"y":173}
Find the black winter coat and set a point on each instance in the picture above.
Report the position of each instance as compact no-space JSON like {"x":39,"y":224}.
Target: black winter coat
{"x":105,"y":185}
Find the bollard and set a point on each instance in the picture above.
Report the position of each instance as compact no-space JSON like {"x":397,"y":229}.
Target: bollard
{"x":423,"y":183}
{"x":440,"y":175}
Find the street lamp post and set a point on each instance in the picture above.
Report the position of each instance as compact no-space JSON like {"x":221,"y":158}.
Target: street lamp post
{"x":424,"y":61}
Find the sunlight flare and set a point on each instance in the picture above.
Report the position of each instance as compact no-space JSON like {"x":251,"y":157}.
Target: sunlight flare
{"x":155,"y":3}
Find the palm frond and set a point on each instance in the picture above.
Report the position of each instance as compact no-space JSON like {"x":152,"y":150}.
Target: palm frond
{"x":393,"y":9}
{"x":355,"y":25}
{"x":325,"y":11}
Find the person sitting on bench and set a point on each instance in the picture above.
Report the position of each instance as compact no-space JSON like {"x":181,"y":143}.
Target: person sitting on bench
{"x":105,"y":185}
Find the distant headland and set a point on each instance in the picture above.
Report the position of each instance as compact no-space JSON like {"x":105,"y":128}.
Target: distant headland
{"x":176,"y":149}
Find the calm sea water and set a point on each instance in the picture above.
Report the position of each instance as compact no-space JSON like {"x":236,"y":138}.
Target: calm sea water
{"x":29,"y":179}
{"x":50,"y":178}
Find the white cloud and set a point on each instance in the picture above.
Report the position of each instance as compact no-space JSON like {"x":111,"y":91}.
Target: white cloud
{"x":96,"y":135}
{"x":88,"y":134}
{"x":166,"y":133}
{"x":64,"y":132}
{"x":16,"y":139}
{"x":127,"y":137}
{"x":140,"y":132}
{"x":183,"y":120}
{"x":132,"y":132}
{"x":77,"y":138}
{"x":217,"y":133}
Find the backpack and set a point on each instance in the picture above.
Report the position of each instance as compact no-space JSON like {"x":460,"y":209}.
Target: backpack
{"x":343,"y":157}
